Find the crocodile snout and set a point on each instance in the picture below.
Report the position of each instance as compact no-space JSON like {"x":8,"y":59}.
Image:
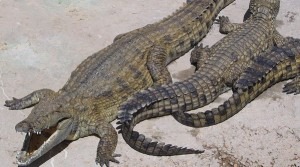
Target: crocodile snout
{"x":23,"y":127}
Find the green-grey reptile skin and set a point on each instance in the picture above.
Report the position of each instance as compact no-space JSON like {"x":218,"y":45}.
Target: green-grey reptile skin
{"x":281,"y":63}
{"x":266,"y":70}
{"x":216,"y":67}
{"x":89,"y":101}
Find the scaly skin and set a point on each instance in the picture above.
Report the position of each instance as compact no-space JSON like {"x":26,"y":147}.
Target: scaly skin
{"x":266,"y":70}
{"x":89,"y":101}
{"x":217,"y":67}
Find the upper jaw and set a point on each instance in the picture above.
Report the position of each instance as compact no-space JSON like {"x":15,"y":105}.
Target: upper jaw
{"x":55,"y":136}
{"x":27,"y":127}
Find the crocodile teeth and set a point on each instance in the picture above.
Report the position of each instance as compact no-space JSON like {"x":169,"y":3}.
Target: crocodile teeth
{"x":37,"y":132}
{"x":19,"y":153}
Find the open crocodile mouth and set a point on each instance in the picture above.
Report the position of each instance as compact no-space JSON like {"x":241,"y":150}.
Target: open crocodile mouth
{"x":37,"y":144}
{"x":32,"y":143}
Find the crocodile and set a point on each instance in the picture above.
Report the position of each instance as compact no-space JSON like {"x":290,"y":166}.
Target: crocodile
{"x":216,"y":68}
{"x":89,"y":101}
{"x":282,"y":63}
{"x":267,"y":69}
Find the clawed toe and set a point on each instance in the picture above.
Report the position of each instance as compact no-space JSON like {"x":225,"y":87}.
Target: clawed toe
{"x":217,"y":21}
{"x":12,"y":104}
{"x":221,"y":20}
{"x":104,"y":160}
{"x":292,"y":87}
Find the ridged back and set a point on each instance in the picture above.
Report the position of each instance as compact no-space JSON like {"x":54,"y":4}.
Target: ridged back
{"x":266,"y":65}
{"x":266,"y":70}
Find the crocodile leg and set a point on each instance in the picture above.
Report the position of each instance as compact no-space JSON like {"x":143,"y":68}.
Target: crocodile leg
{"x":29,"y":100}
{"x":107,"y":144}
{"x":293,"y":86}
{"x":199,"y":55}
{"x":279,"y":40}
{"x":156,"y":63}
{"x":226,"y":26}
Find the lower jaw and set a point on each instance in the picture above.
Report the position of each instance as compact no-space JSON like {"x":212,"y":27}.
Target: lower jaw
{"x":41,"y":143}
{"x":32,"y":143}
{"x":23,"y":158}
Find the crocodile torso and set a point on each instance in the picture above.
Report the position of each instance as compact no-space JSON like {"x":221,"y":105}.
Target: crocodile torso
{"x":89,"y":101}
{"x":280,"y":64}
{"x":216,"y":67}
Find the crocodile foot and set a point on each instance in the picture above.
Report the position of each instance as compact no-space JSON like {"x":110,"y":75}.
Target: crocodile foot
{"x":293,"y":86}
{"x":222,"y":20}
{"x":29,"y":100}
{"x":199,"y":55}
{"x":104,"y":159}
{"x":14,"y":104}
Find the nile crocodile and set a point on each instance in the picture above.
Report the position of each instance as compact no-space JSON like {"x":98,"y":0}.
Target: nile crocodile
{"x":217,"y":68}
{"x":89,"y":101}
{"x":281,"y":63}
{"x":266,"y":70}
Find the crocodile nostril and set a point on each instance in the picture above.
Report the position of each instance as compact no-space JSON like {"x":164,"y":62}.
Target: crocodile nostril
{"x":23,"y":127}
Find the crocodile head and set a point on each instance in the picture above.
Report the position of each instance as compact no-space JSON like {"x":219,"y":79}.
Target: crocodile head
{"x":46,"y":126}
{"x":264,"y":8}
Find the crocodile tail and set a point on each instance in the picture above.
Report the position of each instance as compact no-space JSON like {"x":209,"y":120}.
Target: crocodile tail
{"x":145,"y":145}
{"x":154,"y":102}
{"x":195,"y":92}
{"x":266,"y":70}
{"x":138,"y":101}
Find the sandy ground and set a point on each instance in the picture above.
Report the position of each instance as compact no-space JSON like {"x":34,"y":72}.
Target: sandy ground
{"x":42,"y":42}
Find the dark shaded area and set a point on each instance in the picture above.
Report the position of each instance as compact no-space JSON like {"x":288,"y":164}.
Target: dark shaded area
{"x":54,"y":151}
{"x":184,"y":74}
{"x":279,"y":23}
{"x":247,"y":15}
